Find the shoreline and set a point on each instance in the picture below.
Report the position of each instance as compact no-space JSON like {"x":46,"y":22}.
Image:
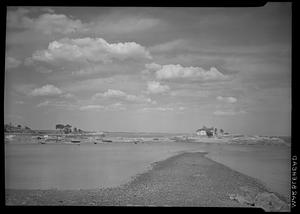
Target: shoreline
{"x":185,"y":179}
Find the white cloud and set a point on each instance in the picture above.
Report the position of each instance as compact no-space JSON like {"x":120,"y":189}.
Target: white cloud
{"x":177,"y":71}
{"x":112,"y":93}
{"x":49,"y":22}
{"x":91,"y":49}
{"x":153,"y":66}
{"x":150,"y":68}
{"x":46,"y":23}
{"x":156,"y":88}
{"x":228,"y":112}
{"x":58,"y":23}
{"x":227,"y":99}
{"x":11,"y":62}
{"x":172,"y":71}
{"x":46,"y":90}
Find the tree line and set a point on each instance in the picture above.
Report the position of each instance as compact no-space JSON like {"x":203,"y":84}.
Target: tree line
{"x":67,"y":129}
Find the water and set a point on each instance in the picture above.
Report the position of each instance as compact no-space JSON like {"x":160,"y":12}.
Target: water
{"x":87,"y":166}
{"x":269,"y":164}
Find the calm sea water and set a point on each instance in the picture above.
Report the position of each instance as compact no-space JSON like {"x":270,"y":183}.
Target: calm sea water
{"x":87,"y":166}
{"x":270,"y":164}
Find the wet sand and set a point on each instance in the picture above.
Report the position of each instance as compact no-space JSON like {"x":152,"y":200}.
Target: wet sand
{"x":187,"y":179}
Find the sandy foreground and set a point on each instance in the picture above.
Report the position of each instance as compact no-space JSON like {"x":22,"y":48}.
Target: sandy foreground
{"x":187,"y":179}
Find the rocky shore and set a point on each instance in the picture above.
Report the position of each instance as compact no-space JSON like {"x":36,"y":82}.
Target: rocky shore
{"x":187,"y":179}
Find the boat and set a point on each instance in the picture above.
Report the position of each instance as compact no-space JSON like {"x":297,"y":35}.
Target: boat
{"x":75,"y":141}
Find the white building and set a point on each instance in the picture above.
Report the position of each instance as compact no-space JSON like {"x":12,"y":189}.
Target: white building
{"x":201,"y":132}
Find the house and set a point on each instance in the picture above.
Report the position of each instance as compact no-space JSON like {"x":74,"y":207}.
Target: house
{"x":201,"y":132}
{"x":67,"y":129}
{"x":204,"y":131}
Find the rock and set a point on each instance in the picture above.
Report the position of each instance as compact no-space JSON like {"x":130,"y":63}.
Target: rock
{"x":241,"y":199}
{"x":249,"y":194}
{"x":265,"y":200}
{"x":270,"y":202}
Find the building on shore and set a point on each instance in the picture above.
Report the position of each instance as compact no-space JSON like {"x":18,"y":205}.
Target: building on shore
{"x":204,"y":131}
{"x":67,"y":129}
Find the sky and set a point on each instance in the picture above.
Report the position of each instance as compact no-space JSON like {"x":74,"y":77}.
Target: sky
{"x":150,"y":69}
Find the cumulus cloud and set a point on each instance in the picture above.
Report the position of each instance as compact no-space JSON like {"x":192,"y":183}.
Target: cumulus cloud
{"x":46,"y":90}
{"x":111,"y":93}
{"x":178,"y":71}
{"x":46,"y":23}
{"x":153,"y":66}
{"x":58,"y":23}
{"x":91,"y":49}
{"x":49,"y":22}
{"x":11,"y":62}
{"x":114,"y":93}
{"x":227,"y":99}
{"x":156,"y":88}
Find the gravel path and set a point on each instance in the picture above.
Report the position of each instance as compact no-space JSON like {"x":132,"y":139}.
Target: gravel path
{"x":187,"y":179}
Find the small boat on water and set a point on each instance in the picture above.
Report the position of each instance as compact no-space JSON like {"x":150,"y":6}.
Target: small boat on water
{"x":75,"y":141}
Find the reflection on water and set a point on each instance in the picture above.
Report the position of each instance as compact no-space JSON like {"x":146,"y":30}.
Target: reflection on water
{"x":36,"y":166}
